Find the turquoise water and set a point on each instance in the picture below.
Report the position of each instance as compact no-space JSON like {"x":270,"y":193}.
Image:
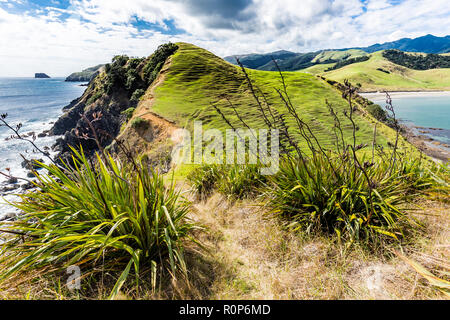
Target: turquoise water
{"x":427,"y":112}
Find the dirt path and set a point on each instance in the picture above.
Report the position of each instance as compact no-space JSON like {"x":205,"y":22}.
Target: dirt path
{"x":160,"y":129}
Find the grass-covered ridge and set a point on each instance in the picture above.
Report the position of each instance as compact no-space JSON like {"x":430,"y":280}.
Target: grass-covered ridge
{"x":196,"y":79}
{"x":372,"y":75}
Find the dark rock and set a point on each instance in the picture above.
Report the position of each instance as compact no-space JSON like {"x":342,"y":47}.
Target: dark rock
{"x":9,"y":188}
{"x":30,"y":174}
{"x":28,"y":134}
{"x":27,"y":186}
{"x":42,"y":135}
{"x":72,"y":124}
{"x":12,"y":180}
{"x":68,"y":120}
{"x":31,"y":164}
{"x":8,"y":216}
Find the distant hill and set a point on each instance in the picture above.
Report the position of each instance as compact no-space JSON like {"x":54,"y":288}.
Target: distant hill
{"x":380,"y":73}
{"x":41,"y":76}
{"x":426,"y":44}
{"x":86,"y":75}
{"x":291,"y":61}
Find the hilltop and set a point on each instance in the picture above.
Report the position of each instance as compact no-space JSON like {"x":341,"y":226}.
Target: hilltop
{"x":378,"y":74}
{"x":426,"y":44}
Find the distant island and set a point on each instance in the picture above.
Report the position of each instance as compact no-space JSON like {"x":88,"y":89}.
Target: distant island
{"x":41,"y":76}
{"x":86,"y":75}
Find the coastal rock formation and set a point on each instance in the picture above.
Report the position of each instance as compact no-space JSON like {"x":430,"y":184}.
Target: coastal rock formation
{"x":117,"y":88}
{"x":86,"y":75}
{"x":72,"y":123}
{"x":41,"y":76}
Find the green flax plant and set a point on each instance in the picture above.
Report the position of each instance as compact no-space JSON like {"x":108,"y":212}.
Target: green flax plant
{"x":338,"y":191}
{"x":103,"y":215}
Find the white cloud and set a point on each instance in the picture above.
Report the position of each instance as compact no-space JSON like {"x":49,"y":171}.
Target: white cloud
{"x":99,"y":29}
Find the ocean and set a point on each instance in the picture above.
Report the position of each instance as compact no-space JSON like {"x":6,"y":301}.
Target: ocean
{"x":36,"y":103}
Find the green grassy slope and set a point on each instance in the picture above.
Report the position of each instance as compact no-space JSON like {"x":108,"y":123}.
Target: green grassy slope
{"x":399,"y":78}
{"x":317,"y":69}
{"x":196,"y":78}
{"x":338,"y":55}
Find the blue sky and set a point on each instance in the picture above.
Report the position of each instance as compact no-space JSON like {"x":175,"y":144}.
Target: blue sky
{"x":62,"y":36}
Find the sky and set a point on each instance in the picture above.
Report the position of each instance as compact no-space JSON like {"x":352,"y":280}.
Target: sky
{"x":59,"y":37}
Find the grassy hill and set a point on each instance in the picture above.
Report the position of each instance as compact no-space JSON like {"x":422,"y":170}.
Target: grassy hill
{"x":380,"y":74}
{"x":290,"y":61}
{"x":193,"y":79}
{"x":338,"y":55}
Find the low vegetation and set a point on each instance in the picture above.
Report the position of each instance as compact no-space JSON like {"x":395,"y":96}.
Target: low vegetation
{"x":417,"y":61}
{"x":129,"y":112}
{"x":236,"y":182}
{"x":346,"y":62}
{"x":157,"y":60}
{"x":107,"y":218}
{"x":139,"y":123}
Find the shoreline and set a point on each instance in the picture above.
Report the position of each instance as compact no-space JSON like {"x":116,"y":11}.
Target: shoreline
{"x":418,"y":135}
{"x":404,"y":94}
{"x":433,"y":148}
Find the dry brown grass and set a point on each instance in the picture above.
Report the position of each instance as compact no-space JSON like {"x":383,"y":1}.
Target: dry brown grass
{"x":251,"y":256}
{"x":254,"y":257}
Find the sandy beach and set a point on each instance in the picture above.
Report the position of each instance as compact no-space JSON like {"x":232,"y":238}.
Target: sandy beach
{"x":405,"y":94}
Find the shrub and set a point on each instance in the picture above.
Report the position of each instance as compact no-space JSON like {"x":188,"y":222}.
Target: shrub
{"x":346,"y":62}
{"x":112,"y":216}
{"x":157,"y":60}
{"x":204,"y":179}
{"x":137,"y":94}
{"x":128,"y":113}
{"x":95,"y":97}
{"x":123,"y":73}
{"x":418,"y":62}
{"x":241,"y":181}
{"x":377,"y":112}
{"x":139,"y":123}
{"x":234,"y":181}
{"x":313,"y":198}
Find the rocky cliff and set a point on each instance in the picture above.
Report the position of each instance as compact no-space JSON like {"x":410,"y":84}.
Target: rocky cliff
{"x":86,"y":75}
{"x":115,"y":90}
